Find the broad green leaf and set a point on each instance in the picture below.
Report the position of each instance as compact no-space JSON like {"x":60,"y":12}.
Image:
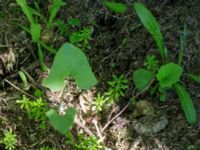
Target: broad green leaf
{"x":35,"y":32}
{"x":116,"y":7}
{"x":169,"y":74}
{"x":70,"y":61}
{"x":151,"y":25}
{"x":194,"y":77}
{"x":186,"y":103}
{"x":61,"y":123}
{"x":26,"y":10}
{"x":141,"y":78}
{"x":53,"y":10}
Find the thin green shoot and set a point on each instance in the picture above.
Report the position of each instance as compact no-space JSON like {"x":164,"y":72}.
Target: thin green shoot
{"x":182,"y":43}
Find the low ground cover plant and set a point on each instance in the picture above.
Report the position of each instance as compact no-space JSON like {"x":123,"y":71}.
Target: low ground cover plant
{"x":9,"y":139}
{"x":164,"y":73}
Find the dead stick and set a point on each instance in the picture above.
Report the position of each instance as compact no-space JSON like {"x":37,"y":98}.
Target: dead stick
{"x":20,"y":90}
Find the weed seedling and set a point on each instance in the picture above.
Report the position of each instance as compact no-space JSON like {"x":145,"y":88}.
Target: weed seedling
{"x":81,"y":38}
{"x":10,"y":140}
{"x":166,"y":74}
{"x":99,"y":102}
{"x":88,"y":143}
{"x":36,"y":109}
{"x":116,"y":88}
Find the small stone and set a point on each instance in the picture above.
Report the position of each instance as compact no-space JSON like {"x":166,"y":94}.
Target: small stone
{"x":150,"y":124}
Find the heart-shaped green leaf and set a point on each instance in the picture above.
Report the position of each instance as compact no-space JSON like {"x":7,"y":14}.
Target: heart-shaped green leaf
{"x":61,"y":123}
{"x":141,"y":78}
{"x":70,"y":61}
{"x":169,"y":74}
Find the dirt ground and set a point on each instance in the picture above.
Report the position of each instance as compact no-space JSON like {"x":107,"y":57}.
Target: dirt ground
{"x":119,"y":46}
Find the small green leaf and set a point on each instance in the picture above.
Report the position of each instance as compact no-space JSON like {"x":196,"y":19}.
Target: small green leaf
{"x":186,"y":103}
{"x":70,"y":61}
{"x":194,"y":77}
{"x":169,"y":74}
{"x":35,"y":32}
{"x":141,"y":78}
{"x":151,"y":25}
{"x":116,"y":7}
{"x":61,"y":123}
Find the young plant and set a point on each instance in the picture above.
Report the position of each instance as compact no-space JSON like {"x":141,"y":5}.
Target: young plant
{"x":116,"y":88}
{"x":100,"y":101}
{"x":35,"y":28}
{"x":36,"y":109}
{"x":88,"y":143}
{"x":81,"y":39}
{"x":167,"y":75}
{"x":69,"y":62}
{"x":10,"y":140}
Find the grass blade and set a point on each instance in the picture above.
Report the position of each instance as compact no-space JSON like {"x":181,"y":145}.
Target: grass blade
{"x":41,"y":57}
{"x":186,"y":103}
{"x":182,"y":44}
{"x":194,"y":77}
{"x":53,"y":10}
{"x":25,"y":9}
{"x":152,"y":26}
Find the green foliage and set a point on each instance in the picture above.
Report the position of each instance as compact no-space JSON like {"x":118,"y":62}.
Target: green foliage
{"x":62,"y":26}
{"x":36,"y":109}
{"x":62,"y":123}
{"x":169,"y":74}
{"x":182,"y":44}
{"x":56,"y":5}
{"x":141,"y":78}
{"x":24,"y":79}
{"x":116,"y":7}
{"x":152,"y":26}
{"x":100,"y":101}
{"x":26,"y":10}
{"x":35,"y":32}
{"x":70,"y":61}
{"x":46,"y":148}
{"x":116,"y":88}
{"x":88,"y":143}
{"x":186,"y":103}
{"x":194,"y":77}
{"x":74,"y":22}
{"x":151,"y":63}
{"x":81,"y":38}
{"x":10,"y":140}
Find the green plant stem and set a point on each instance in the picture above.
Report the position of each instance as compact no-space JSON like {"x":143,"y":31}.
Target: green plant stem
{"x":48,"y":48}
{"x":41,"y":57}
